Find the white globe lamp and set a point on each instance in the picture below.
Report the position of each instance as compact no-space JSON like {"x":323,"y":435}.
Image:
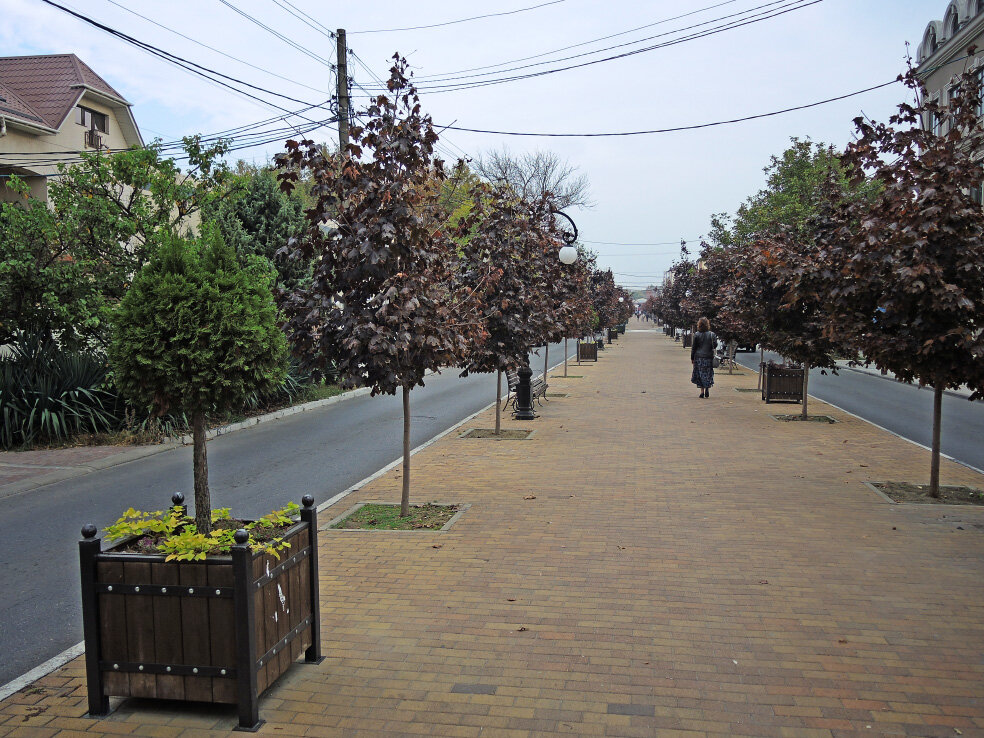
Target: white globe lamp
{"x":568,"y":255}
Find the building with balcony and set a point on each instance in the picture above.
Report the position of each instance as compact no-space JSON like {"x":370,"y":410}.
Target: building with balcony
{"x":51,"y":108}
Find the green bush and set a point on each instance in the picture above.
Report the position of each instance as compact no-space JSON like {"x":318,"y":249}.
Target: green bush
{"x":48,"y":394}
{"x":197,"y":333}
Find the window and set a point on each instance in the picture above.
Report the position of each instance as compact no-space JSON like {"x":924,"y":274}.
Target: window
{"x":936,"y":118}
{"x":91,"y":119}
{"x":977,"y":194}
{"x":950,"y":23}
{"x":979,"y":6}
{"x":980,"y":90}
{"x":931,"y":45}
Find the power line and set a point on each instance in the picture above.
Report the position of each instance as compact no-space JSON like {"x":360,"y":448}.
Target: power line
{"x":330,"y":32}
{"x":651,"y":253}
{"x":271,"y":31}
{"x":252,"y":140}
{"x":621,"y":243}
{"x":212,"y":48}
{"x":583,"y":43}
{"x":190,"y":66}
{"x":447,"y":78}
{"x":303,"y":18}
{"x":677,"y":128}
{"x":462,"y":20}
{"x":732,"y":25}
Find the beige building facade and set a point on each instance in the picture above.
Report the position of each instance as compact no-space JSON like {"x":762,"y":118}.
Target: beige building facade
{"x":951,"y":46}
{"x":51,"y":108}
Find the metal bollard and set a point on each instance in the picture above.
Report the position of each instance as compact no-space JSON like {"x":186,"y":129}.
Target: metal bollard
{"x":524,"y":396}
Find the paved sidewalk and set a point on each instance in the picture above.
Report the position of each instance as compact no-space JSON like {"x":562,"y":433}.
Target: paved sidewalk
{"x":24,"y":470}
{"x":687,"y":568}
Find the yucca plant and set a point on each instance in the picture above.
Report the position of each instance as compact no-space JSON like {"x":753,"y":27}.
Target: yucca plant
{"x":50,"y":394}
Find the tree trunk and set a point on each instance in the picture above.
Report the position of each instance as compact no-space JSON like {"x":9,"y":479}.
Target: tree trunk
{"x":732,"y":347}
{"x":761,"y":366}
{"x":203,"y":505}
{"x":934,"y":469}
{"x":405,"y":497}
{"x":806,"y":386}
{"x":498,"y":402}
{"x":565,"y":356}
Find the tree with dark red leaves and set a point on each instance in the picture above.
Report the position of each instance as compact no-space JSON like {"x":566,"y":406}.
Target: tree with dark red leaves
{"x":387,"y":300}
{"x":907,"y":275}
{"x":505,"y":232}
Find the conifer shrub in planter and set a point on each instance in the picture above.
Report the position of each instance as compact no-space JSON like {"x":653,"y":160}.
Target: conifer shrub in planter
{"x":178,"y":610}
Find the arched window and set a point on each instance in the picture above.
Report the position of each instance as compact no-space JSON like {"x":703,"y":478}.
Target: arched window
{"x":950,"y":22}
{"x":978,"y":6}
{"x":931,"y":43}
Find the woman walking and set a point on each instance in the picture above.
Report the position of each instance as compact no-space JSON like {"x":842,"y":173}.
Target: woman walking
{"x":702,"y":356}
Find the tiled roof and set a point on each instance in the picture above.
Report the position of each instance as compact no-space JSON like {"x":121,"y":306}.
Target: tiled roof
{"x":12,"y":104}
{"x":49,"y":86}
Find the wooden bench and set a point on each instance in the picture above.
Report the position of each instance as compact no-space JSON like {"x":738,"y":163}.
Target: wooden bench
{"x":538,"y":387}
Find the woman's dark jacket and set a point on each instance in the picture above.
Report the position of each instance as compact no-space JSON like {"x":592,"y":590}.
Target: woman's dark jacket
{"x":703,"y":346}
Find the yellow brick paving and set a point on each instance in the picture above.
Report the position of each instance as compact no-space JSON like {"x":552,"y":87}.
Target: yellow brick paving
{"x":688,"y":568}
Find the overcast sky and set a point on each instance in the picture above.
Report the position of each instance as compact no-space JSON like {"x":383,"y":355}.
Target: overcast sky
{"x":648,"y":189}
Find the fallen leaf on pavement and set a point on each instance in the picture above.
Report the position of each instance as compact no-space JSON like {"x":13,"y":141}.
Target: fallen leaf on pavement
{"x":530,"y":497}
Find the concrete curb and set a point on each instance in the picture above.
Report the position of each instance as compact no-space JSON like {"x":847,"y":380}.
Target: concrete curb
{"x":275,"y":415}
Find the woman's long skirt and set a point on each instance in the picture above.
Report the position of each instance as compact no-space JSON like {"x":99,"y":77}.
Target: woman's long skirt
{"x":703,"y":374}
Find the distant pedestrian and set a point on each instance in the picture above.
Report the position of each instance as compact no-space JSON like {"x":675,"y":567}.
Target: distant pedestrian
{"x":702,"y":357}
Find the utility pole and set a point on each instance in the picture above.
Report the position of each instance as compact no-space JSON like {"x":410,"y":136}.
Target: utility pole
{"x":341,"y":73}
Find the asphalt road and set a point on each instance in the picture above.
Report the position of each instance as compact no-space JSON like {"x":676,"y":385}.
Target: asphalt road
{"x":253,"y":471}
{"x":904,"y":409}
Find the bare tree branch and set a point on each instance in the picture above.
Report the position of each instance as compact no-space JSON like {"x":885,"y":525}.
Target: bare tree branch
{"x":532,"y":175}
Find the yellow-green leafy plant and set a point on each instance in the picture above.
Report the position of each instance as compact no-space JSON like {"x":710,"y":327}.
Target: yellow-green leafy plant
{"x":174,"y":533}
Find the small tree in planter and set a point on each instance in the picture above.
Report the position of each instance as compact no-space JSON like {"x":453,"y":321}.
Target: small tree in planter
{"x":196,"y":334}
{"x":387,"y":300}
{"x":908,"y":280}
{"x":749,"y":297}
{"x":795,"y":326}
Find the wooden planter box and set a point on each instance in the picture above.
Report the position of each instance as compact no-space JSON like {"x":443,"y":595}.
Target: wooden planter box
{"x":220,"y":630}
{"x":600,"y":344}
{"x":621,"y":328}
{"x":587,"y":351}
{"x":782,"y":383}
